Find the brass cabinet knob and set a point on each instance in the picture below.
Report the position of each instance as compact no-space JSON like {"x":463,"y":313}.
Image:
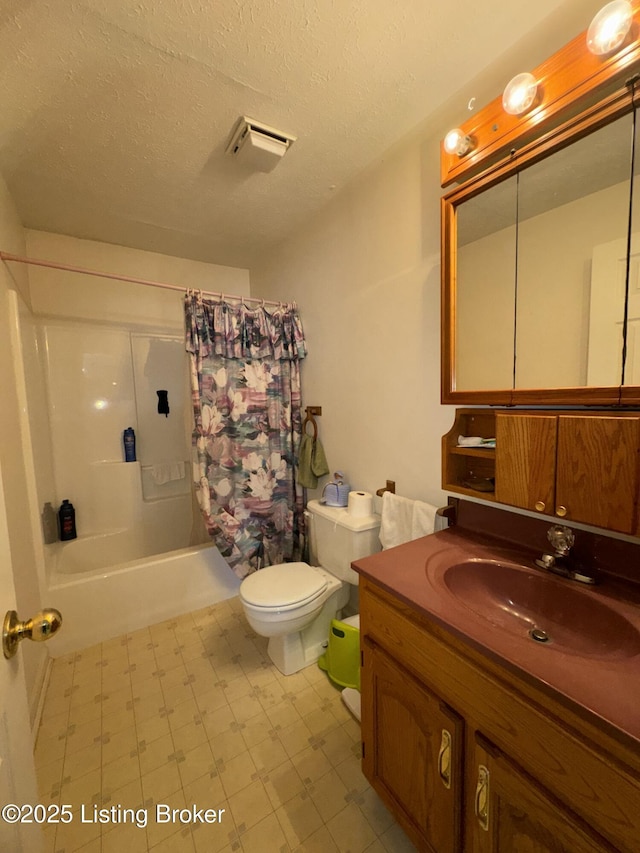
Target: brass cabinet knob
{"x":540,"y":506}
{"x":561,"y":511}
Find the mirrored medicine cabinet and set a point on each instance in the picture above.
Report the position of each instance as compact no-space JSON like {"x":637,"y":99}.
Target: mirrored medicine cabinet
{"x":541,"y":267}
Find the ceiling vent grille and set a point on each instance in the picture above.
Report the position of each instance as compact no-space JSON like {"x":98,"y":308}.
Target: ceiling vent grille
{"x":258,"y":146}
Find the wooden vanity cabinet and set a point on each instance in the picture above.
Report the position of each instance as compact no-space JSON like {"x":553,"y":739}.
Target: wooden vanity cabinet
{"x":511,"y":814}
{"x":527,"y":774}
{"x":578,"y":467}
{"x":416,"y":754}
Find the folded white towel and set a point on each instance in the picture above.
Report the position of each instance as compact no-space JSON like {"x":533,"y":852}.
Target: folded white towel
{"x":166,"y":472}
{"x":424,"y":519}
{"x":469,"y":441}
{"x":396,"y":520}
{"x":403,"y":519}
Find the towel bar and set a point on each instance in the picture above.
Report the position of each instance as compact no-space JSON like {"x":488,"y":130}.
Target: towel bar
{"x":390,"y":487}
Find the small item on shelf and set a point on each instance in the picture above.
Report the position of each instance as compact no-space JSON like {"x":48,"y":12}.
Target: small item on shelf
{"x":67,"y":516}
{"x":475,"y":441}
{"x":129,"y":438}
{"x":480,"y":484}
{"x":49,"y":524}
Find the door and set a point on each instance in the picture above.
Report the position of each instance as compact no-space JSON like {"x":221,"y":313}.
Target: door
{"x":606,"y":312}
{"x":509,"y":813}
{"x":412,"y":752}
{"x":17,"y":773}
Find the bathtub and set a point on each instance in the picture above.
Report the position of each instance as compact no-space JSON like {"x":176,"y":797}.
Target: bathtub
{"x":100,"y":596}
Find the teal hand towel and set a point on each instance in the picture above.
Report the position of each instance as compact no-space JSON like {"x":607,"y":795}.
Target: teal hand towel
{"x":312,"y":462}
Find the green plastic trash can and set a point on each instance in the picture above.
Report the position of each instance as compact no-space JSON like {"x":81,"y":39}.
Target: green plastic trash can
{"x":341,"y":661}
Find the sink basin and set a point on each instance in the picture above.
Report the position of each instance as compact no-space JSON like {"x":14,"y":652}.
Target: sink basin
{"x":527,"y":602}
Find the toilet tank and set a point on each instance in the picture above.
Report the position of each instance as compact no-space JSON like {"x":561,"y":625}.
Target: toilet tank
{"x":337,"y":538}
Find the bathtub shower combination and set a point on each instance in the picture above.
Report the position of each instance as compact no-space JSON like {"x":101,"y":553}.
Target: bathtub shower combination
{"x":103,"y":593}
{"x":142,"y":554}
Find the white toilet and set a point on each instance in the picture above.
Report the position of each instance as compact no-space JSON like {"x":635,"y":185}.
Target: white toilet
{"x":293,"y":603}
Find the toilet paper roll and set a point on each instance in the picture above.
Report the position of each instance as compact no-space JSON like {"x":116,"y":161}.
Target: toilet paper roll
{"x":360,"y":504}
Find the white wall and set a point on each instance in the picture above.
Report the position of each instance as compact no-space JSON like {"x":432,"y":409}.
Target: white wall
{"x":366,"y":275}
{"x":63,"y":294}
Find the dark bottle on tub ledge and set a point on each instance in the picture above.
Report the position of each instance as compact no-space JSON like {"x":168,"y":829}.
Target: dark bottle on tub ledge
{"x":129,"y":438}
{"x":67,"y":518}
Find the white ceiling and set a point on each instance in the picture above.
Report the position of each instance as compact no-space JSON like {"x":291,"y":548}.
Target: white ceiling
{"x":116,"y":113}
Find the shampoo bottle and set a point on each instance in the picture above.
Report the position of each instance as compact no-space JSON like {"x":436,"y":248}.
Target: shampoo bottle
{"x":67,"y":516}
{"x":129,"y":438}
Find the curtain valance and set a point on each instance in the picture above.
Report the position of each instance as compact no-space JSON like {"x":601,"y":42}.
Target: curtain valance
{"x":215,"y":327}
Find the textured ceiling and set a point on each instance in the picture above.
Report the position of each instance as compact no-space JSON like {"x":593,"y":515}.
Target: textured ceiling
{"x":116,"y":113}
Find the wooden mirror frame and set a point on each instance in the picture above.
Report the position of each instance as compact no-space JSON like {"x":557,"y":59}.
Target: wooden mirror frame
{"x":577,"y":93}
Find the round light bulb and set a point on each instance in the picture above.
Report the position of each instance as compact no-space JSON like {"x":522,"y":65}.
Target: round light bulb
{"x":457,"y":142}
{"x":519,"y":94}
{"x":609,"y":27}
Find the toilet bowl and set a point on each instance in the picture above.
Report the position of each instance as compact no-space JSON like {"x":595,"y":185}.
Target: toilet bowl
{"x":293,"y":603}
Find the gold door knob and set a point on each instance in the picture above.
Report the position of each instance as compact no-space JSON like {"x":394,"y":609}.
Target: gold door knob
{"x":561,"y":511}
{"x":39,"y":628}
{"x":540,"y":506}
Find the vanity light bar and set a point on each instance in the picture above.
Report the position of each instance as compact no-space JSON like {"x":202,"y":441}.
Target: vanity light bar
{"x":600,"y":55}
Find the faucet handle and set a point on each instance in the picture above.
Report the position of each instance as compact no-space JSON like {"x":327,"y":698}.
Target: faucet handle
{"x":562,"y":538}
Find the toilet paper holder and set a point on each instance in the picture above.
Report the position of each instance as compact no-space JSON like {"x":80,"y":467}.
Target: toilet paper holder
{"x":390,"y":487}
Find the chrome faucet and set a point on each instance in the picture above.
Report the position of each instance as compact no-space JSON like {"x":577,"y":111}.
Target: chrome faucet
{"x":562,"y":539}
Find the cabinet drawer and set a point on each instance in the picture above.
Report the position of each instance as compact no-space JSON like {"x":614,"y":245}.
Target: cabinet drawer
{"x":555,"y":753}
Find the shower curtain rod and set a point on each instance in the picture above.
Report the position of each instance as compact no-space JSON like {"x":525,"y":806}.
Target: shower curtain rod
{"x":6,"y":256}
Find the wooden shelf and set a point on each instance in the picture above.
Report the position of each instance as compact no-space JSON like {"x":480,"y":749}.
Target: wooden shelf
{"x":486,"y":453}
{"x":461,"y":464}
{"x":472,"y":493}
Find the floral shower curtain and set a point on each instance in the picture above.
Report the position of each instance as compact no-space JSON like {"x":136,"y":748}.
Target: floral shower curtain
{"x":245,"y":384}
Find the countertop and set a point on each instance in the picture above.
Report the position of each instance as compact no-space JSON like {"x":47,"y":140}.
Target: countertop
{"x":604,"y":683}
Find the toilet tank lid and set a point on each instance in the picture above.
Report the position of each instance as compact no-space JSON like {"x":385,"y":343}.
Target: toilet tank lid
{"x":282,"y":585}
{"x":340,"y":515}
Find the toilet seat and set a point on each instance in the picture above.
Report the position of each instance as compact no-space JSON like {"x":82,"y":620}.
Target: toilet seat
{"x":283,"y":587}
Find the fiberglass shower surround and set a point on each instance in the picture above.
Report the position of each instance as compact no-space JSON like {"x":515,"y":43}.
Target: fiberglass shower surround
{"x":100,"y":380}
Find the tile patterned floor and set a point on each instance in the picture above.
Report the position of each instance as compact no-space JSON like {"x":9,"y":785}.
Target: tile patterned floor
{"x":192,"y":712}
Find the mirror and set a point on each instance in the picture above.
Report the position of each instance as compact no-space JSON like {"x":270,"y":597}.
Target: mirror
{"x":632,"y":341}
{"x":486,"y":288}
{"x":573,"y":210}
{"x":535,"y":270}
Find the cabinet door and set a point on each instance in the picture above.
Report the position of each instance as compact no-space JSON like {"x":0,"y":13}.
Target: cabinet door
{"x":526,"y":461}
{"x":412,"y":752}
{"x":597,"y":476}
{"x":509,"y":813}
